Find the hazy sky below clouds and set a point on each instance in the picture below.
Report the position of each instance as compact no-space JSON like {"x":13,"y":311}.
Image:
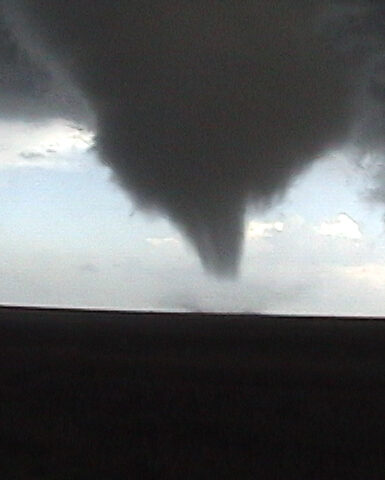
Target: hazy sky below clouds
{"x":69,"y":236}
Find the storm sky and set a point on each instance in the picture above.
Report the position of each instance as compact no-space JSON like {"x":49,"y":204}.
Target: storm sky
{"x":165,"y":140}
{"x":201,"y":108}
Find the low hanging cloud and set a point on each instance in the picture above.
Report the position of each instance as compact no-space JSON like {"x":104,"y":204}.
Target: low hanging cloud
{"x":201,"y":107}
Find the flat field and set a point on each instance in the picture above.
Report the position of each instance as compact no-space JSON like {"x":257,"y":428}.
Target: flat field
{"x":113,"y":395}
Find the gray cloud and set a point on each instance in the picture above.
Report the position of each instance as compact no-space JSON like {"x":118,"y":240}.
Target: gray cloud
{"x":202,"y":107}
{"x":30,"y":90}
{"x":31,"y":155}
{"x":89,"y":268}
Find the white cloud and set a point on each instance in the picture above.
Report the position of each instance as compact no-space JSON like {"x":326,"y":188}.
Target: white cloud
{"x":343,"y":226}
{"x":157,"y":241}
{"x":44,"y":145}
{"x":262,"y":229}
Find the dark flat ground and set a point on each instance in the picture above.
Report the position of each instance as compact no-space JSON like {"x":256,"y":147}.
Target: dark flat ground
{"x":92,"y":395}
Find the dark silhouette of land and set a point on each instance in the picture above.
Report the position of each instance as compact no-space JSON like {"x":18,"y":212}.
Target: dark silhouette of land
{"x":104,"y":395}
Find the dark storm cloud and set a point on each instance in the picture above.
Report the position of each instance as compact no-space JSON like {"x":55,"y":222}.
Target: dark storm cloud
{"x":204,"y":106}
{"x":28,"y":89}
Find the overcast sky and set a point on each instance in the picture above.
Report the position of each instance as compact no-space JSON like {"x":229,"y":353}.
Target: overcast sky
{"x":70,"y":236}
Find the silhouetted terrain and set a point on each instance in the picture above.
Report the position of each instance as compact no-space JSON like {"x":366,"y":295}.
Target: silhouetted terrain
{"x":102,"y":395}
